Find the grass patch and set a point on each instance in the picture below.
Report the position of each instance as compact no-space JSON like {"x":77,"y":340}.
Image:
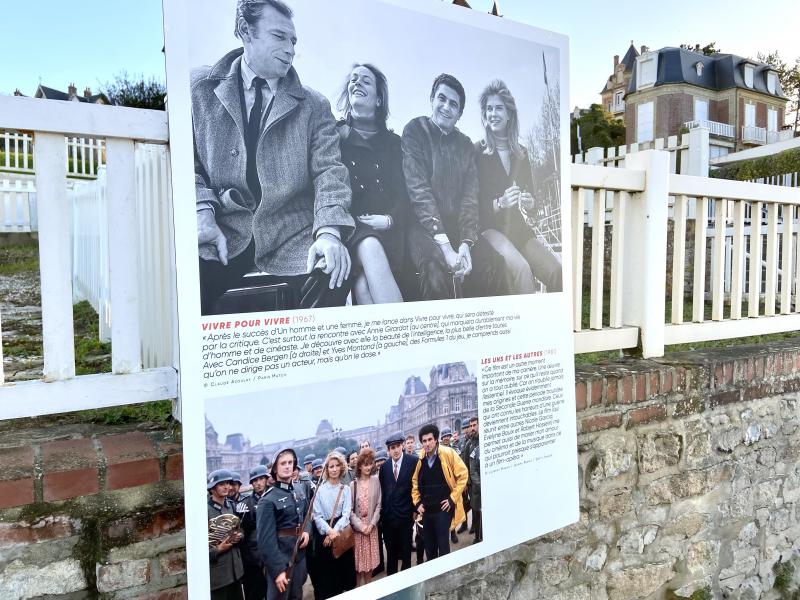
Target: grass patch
{"x":91,"y":355}
{"x":156,"y":413}
{"x":21,"y":258}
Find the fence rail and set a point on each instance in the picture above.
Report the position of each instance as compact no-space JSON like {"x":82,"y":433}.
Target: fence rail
{"x":85,"y":155}
{"x":17,"y":206}
{"x":131,"y":380}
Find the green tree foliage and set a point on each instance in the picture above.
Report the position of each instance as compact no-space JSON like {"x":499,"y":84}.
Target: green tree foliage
{"x":135,"y":91}
{"x":707,"y":50}
{"x":598,"y":129}
{"x":790,"y":82}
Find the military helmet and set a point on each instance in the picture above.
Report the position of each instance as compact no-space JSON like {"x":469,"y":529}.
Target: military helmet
{"x":237,"y":478}
{"x":447,"y":431}
{"x":381,"y":455}
{"x":396,"y":438}
{"x":341,"y":450}
{"x":309,"y":459}
{"x":317,"y":463}
{"x":275,"y":459}
{"x":258,"y":471}
{"x":218,"y":476}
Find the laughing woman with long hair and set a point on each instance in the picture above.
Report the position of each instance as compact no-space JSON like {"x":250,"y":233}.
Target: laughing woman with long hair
{"x":505,"y":184}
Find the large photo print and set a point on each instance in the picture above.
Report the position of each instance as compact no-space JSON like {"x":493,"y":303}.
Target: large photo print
{"x":346,"y":154}
{"x":337,"y":494}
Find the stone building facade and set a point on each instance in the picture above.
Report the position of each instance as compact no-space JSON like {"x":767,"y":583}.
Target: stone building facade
{"x":449,"y":399}
{"x":613,"y":94}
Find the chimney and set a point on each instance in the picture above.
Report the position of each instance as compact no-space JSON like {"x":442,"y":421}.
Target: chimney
{"x":72,"y":91}
{"x":616,"y":61}
{"x":87,"y":92}
{"x":644,"y":49}
{"x":17,"y":92}
{"x":697,"y":47}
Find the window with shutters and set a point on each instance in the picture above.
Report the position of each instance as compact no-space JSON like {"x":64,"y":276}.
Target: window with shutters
{"x":644,"y":122}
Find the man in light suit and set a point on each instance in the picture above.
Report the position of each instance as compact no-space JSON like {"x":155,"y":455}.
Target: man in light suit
{"x":271,"y":192}
{"x":397,"y":510}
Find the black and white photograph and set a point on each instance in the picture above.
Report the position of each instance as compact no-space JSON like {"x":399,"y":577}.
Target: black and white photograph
{"x":328,"y":496}
{"x":345,"y":153}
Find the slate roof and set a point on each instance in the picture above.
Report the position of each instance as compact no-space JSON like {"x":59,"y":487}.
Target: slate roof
{"x":720,"y":71}
{"x":629,"y":60}
{"x":54,"y":94}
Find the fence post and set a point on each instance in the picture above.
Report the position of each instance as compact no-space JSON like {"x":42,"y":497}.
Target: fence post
{"x":594,"y":156}
{"x":645,"y":252}
{"x":698,"y":153}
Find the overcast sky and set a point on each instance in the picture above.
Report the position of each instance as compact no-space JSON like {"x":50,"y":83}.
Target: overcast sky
{"x":87,"y":42}
{"x":295,"y":413}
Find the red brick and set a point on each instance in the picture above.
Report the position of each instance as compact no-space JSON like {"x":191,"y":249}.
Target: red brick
{"x":722,"y":398}
{"x":16,"y":492}
{"x":680,"y":385}
{"x":596,"y":397}
{"x":599,"y":422}
{"x":68,"y":455}
{"x":728,"y":368}
{"x":180,"y":593}
{"x":611,"y":391}
{"x":146,"y":526}
{"x":666,"y":381}
{"x":627,"y":389}
{"x":131,"y":460}
{"x":580,"y":395}
{"x":759,"y":366}
{"x":750,"y":370}
{"x":172,"y":563}
{"x":790,"y":386}
{"x":174,"y":470}
{"x":16,"y":463}
{"x":70,"y":484}
{"x":641,"y":390}
{"x":49,"y":528}
{"x":647,"y":414}
{"x":757,"y":392}
{"x":653,"y":391}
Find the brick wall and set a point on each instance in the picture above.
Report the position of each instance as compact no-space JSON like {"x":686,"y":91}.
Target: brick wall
{"x":689,"y":474}
{"x":672,"y":111}
{"x":83,"y":514}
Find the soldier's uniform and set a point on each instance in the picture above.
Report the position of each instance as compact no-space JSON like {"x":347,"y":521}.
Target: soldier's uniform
{"x":254,"y":582}
{"x":280,"y":514}
{"x":475,"y":487}
{"x":226,"y":568}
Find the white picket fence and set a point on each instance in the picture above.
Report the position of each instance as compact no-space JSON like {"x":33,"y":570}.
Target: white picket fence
{"x":85,"y":155}
{"x":17,"y":205}
{"x":764,"y":261}
{"x":134,"y":378}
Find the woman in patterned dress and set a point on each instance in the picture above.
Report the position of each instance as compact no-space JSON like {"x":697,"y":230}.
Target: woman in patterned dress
{"x":366,"y":493}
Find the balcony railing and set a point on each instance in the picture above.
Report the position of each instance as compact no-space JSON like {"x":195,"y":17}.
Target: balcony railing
{"x":618,"y":107}
{"x":714,"y":127}
{"x":754,"y":135}
{"x":779,"y":136}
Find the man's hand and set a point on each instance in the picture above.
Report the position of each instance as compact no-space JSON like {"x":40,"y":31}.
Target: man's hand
{"x":526,"y":200}
{"x":377,"y":222}
{"x":421,"y":509}
{"x":332,"y":256}
{"x":446,"y":504}
{"x":451,"y":257}
{"x":303,"y":540}
{"x":236,"y":537}
{"x":368,"y":529}
{"x":465,"y":258}
{"x":209,"y":233}
{"x":281,"y":582}
{"x":224,"y":545}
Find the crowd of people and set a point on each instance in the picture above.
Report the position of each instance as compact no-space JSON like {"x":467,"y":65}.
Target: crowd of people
{"x":344,"y":519}
{"x":326,"y":207}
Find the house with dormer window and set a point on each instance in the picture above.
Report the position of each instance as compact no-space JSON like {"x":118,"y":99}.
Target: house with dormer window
{"x":672,"y":90}
{"x":71,"y":95}
{"x":613,"y":94}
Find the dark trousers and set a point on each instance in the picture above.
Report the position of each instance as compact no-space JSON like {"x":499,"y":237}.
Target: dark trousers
{"x":303,"y":291}
{"x":436,"y":533}
{"x":231,"y":591}
{"x":436,"y":281}
{"x":254,"y":582}
{"x":397,"y":537}
{"x":333,"y":575}
{"x":295,"y":591}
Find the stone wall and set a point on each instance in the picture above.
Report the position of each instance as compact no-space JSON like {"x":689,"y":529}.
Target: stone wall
{"x":689,"y":470}
{"x":88,"y":512}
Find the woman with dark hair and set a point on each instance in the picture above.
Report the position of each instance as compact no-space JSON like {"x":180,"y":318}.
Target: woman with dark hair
{"x":505,"y":192}
{"x":380,"y":202}
{"x":332,"y":507}
{"x":366,"y":493}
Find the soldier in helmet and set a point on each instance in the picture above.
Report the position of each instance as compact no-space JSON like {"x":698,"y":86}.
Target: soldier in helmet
{"x":236,"y":485}
{"x":225,"y":560}
{"x":255,"y":585}
{"x":447,"y":437}
{"x":308,"y":461}
{"x":316,"y":470}
{"x":280,"y":517}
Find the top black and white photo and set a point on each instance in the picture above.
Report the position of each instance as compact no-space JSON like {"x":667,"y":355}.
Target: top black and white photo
{"x":346,"y":155}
